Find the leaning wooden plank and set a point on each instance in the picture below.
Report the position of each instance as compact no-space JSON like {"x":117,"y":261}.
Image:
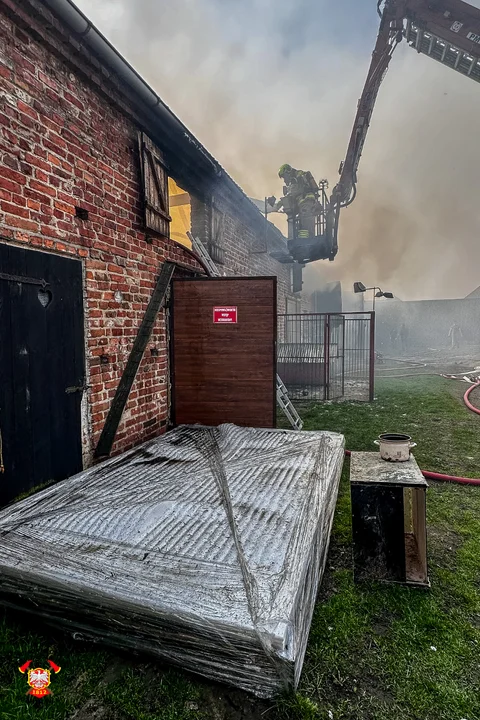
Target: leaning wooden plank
{"x":112,"y":422}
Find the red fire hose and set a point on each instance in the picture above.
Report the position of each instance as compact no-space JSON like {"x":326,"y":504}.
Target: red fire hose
{"x":437,"y":476}
{"x":467,"y":401}
{"x":451,"y":478}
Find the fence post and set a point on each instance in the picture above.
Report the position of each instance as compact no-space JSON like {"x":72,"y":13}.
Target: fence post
{"x":372,"y":357}
{"x":326,"y":394}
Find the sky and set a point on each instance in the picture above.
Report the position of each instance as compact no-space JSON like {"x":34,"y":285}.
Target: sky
{"x":264,"y":82}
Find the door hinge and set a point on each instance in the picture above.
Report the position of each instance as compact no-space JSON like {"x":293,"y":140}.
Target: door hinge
{"x":23,"y":280}
{"x":75,"y":388}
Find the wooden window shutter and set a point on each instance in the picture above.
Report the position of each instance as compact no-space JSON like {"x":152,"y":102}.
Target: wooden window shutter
{"x":214,"y":247}
{"x":297,"y":279}
{"x":218,"y":222}
{"x":155,"y":187}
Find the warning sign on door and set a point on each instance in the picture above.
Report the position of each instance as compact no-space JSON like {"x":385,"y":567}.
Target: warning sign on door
{"x":225,"y":315}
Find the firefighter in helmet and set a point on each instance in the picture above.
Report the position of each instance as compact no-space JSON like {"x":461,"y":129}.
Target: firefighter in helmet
{"x":308,"y":209}
{"x":296,"y":187}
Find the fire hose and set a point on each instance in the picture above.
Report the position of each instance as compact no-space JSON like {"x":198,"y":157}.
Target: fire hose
{"x":467,"y":396}
{"x":393,"y":377}
{"x":452,"y":478}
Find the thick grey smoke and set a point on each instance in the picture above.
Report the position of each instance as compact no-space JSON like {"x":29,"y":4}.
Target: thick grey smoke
{"x":256,"y":103}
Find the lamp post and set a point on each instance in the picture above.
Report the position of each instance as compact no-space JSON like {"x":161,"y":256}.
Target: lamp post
{"x":359,"y":287}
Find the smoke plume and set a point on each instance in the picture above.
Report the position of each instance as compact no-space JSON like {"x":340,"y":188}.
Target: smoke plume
{"x":264,"y":82}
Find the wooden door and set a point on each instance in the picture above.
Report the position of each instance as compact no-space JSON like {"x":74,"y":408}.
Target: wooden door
{"x":42,"y":370}
{"x":224,"y":351}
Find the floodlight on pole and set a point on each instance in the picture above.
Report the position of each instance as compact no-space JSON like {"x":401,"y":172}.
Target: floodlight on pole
{"x":359,"y":287}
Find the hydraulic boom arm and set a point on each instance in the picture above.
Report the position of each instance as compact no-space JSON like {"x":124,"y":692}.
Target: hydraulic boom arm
{"x":446,"y":30}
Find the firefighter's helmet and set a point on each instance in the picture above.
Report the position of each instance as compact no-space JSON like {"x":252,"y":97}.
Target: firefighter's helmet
{"x":284,"y":170}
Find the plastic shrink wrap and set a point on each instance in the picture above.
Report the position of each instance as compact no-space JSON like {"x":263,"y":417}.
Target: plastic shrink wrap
{"x":204,"y":547}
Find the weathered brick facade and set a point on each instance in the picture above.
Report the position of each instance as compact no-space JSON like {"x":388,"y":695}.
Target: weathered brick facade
{"x":68,"y":140}
{"x":64,"y":146}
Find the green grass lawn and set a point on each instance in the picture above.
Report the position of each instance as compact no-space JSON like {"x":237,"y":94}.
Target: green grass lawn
{"x":390,"y":652}
{"x":375,"y":652}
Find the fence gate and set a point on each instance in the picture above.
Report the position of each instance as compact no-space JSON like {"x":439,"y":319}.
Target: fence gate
{"x":327,"y":356}
{"x":42,"y":370}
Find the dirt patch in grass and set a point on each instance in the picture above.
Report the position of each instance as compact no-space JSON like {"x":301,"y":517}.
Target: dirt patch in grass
{"x":444,"y":541}
{"x":94,"y":709}
{"x":370,"y":687}
{"x":227,"y":704}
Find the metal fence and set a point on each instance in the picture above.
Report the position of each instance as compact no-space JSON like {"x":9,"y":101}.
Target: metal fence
{"x":327,"y":356}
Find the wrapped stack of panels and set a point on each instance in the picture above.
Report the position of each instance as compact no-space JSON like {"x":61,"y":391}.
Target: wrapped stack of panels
{"x":204,"y":548}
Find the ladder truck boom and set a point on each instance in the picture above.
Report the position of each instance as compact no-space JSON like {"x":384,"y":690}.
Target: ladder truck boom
{"x":446,"y":30}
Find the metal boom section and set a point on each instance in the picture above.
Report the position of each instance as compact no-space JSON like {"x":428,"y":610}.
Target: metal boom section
{"x":446,"y":30}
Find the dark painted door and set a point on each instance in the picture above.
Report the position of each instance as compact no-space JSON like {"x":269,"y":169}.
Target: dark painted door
{"x":41,"y":365}
{"x":224,"y":351}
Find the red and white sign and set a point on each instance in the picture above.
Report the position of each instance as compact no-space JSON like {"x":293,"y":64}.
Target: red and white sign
{"x":225,"y":315}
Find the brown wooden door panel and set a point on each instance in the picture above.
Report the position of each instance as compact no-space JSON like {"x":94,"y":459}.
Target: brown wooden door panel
{"x":189,"y":365}
{"x":245,"y":415}
{"x":224,"y":372}
{"x":222,"y":394}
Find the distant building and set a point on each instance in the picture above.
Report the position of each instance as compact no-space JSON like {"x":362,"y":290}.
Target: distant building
{"x":428,"y":323}
{"x":328,"y":299}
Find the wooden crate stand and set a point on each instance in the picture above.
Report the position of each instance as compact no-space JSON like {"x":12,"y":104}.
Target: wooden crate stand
{"x":388,"y":520}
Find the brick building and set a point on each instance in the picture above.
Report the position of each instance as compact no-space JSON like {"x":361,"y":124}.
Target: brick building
{"x":241,"y":244}
{"x":83,"y":140}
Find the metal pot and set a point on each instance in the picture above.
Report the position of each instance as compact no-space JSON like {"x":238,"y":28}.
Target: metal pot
{"x":395,"y":447}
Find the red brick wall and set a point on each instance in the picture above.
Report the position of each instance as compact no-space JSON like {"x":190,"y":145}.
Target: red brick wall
{"x":244,"y":245}
{"x":63,"y":144}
